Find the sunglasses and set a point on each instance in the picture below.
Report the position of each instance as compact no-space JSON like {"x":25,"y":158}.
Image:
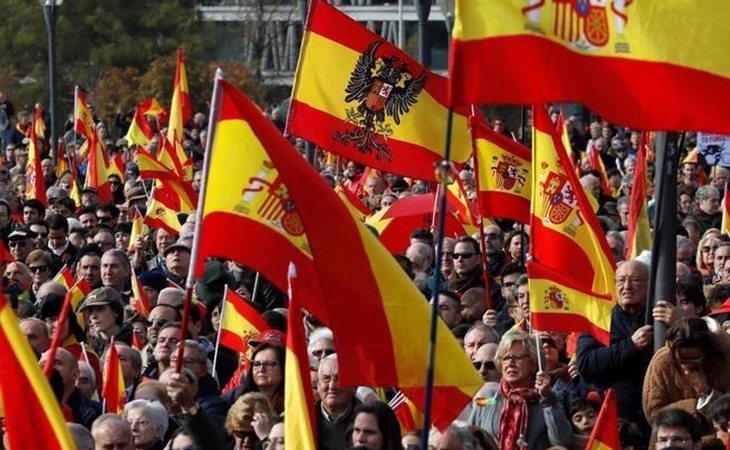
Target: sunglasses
{"x":486,"y":365}
{"x":38,"y":269}
{"x":465,"y":255}
{"x":549,"y":342}
{"x":159,"y":323}
{"x":245,"y":434}
{"x":707,"y":249}
{"x":321,"y":353}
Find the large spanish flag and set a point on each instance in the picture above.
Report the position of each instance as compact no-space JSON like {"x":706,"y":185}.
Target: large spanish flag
{"x":300,"y":425}
{"x":638,"y":237}
{"x":239,"y":322}
{"x":369,"y":101}
{"x":605,"y":435}
{"x":112,"y":391}
{"x":35,"y":184}
{"x":505,"y":181}
{"x":572,"y":272}
{"x":594,"y":52}
{"x":33,"y":418}
{"x":383,"y":326}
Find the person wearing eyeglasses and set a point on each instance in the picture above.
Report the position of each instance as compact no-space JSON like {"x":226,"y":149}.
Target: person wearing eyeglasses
{"x":39,"y":263}
{"x":705,"y":259}
{"x":336,"y":407}
{"x":676,"y":429}
{"x":690,"y":372}
{"x":484,"y":363}
{"x":267,"y":374}
{"x":195,"y":358}
{"x":149,"y":422}
{"x":524,"y":413}
{"x":20,"y":242}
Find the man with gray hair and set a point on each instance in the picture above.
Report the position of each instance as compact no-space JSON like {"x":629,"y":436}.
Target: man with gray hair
{"x":111,"y":431}
{"x":686,"y":251}
{"x":81,"y":436}
{"x":149,"y":422}
{"x":454,"y":438}
{"x":708,"y":213}
{"x":617,"y":244}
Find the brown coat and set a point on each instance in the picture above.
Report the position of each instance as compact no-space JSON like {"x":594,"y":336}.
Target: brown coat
{"x":665,"y":386}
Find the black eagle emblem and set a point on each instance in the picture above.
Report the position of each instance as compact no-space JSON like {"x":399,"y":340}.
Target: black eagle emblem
{"x":383,"y":87}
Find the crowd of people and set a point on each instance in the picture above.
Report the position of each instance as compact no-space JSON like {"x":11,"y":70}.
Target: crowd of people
{"x":542,"y":389}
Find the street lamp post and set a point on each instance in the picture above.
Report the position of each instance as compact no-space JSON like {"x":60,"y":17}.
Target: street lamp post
{"x":423,"y":10}
{"x":50,"y":13}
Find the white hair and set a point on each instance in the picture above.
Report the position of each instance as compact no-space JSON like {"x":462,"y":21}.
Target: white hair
{"x":154,"y":412}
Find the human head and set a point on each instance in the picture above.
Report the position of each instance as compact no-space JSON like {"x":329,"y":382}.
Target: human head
{"x":321,"y":343}
{"x":21,"y":243}
{"x":115,"y":269}
{"x":335,"y":399}
{"x":167,"y":340}
{"x":195,"y":357}
{"x":376,"y":427}
{"x":81,"y":436}
{"x":691,"y":299}
{"x":40,"y":230}
{"x":514,"y":243}
{"x":240,"y":417}
{"x":36,"y":332}
{"x":466,"y":256}
{"x":160,"y":316}
{"x":33,"y":211}
{"x":148,"y":421}
{"x":484,"y":362}
{"x":517,"y":358}
{"x":708,"y":199}
{"x":583,"y":413}
{"x":86,"y":382}
{"x":478,"y":335}
{"x":473,"y":304}
{"x":267,"y":367}
{"x":112,"y":432}
{"x":685,"y":251}
{"x":39,"y":263}
{"x":617,"y":244}
{"x":449,"y":307}
{"x":676,"y":428}
{"x":631,"y":279}
{"x":592,"y":185}
{"x":57,"y":231}
{"x":705,"y":259}
{"x":691,"y":344}
{"x":494,"y":240}
{"x":105,"y":309}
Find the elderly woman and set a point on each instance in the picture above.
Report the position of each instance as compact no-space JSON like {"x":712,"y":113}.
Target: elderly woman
{"x":376,"y":427}
{"x":690,"y":371}
{"x":249,"y":421}
{"x":706,"y":257}
{"x":149,"y":422}
{"x":524,"y":413}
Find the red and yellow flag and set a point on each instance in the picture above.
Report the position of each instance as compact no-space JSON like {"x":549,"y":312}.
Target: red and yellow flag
{"x":62,"y":161}
{"x":725,"y":227}
{"x":605,"y":431}
{"x":370,"y":101}
{"x":138,"y":229}
{"x":83,"y":119}
{"x":408,"y":415}
{"x":65,"y":277}
{"x":638,"y":237}
{"x":353,"y":203}
{"x":116,"y":166}
{"x":96,"y":172}
{"x":301,"y":424}
{"x":594,"y":53}
{"x":594,"y":157}
{"x":78,"y":290}
{"x":150,"y":168}
{"x":385,"y":347}
{"x":505,"y":182}
{"x":32,"y":417}
{"x":112,"y":391}
{"x":140,"y":131}
{"x":35,"y":184}
{"x":239,"y":322}
{"x":140,"y":300}
{"x":180,"y":112}
{"x":39,"y":123}
{"x":572,"y":272}
{"x":161,"y":215}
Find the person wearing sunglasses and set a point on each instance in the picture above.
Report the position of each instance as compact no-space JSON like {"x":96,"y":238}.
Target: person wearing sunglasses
{"x":39,"y":263}
{"x":467,"y":265}
{"x":21,"y":243}
{"x":691,"y":371}
{"x":484,"y":363}
{"x":249,"y":421}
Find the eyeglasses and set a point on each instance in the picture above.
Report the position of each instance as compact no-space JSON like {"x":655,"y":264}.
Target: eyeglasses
{"x":486,"y":365}
{"x":264,"y":364}
{"x":465,"y":255}
{"x":245,"y":434}
{"x":708,"y":249}
{"x":104,"y":219}
{"x":508,"y":284}
{"x":38,"y":269}
{"x":514,"y":358}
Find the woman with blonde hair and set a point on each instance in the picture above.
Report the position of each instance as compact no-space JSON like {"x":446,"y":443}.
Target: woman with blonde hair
{"x":249,"y":420}
{"x":706,"y":256}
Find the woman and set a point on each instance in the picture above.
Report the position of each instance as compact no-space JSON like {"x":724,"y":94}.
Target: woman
{"x":514,"y":243}
{"x":249,"y":421}
{"x":39,"y":263}
{"x":275,"y":441}
{"x":692,"y":369}
{"x":376,"y":427}
{"x":706,"y":257}
{"x":267,"y":375}
{"x":149,"y":423}
{"x":525,"y":413}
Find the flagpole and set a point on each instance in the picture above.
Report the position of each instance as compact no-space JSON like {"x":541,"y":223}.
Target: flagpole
{"x":255,"y":287}
{"x":435,"y":207}
{"x":215,"y":105}
{"x":56,"y":341}
{"x":482,"y":237}
{"x":445,"y":171}
{"x":218,"y":337}
{"x":523,"y":139}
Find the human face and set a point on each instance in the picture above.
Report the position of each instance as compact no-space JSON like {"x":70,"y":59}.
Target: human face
{"x":89,"y":269}
{"x":690,"y":358}
{"x":466,"y":258}
{"x":449,"y":310}
{"x":192,"y":360}
{"x":365,"y":432}
{"x":125,"y":361}
{"x":41,"y":272}
{"x":584,"y":420}
{"x":523,"y":298}
{"x":113,"y":437}
{"x":686,"y":255}
{"x":473,"y":340}
{"x":276,"y":437}
{"x":266,"y":368}
{"x":689,"y":170}
{"x":104,"y":240}
{"x":37,"y":335}
{"x":88,"y":220}
{"x":623,"y":212}
{"x":515,"y":247}
{"x":374,"y":186}
{"x":159,"y":316}
{"x":57,"y":238}
{"x":163,"y":239}
{"x":334,"y":398}
{"x":106,"y":218}
{"x":65,"y":364}
{"x":121,"y":240}
{"x":166,"y":342}
{"x":322,"y":348}
{"x":178,"y":261}
{"x":143,"y":433}
{"x":631,"y":279}
{"x":103,"y":318}
{"x":30,"y":214}
{"x":687,"y":309}
{"x":508,"y":282}
{"x":493,"y":241}
{"x":707,"y":250}
{"x":674,"y":437}
{"x":711,"y":204}
{"x":518,"y":366}
{"x":722,"y":254}
{"x":447,"y":256}
{"x":685,"y":203}
{"x":41,"y":239}
{"x":245,"y":437}
{"x":20,"y":248}
{"x":113,"y":272}
{"x":616,"y":248}
{"x":484,"y":363}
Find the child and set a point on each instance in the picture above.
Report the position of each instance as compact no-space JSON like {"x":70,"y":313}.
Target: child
{"x":583,"y":414}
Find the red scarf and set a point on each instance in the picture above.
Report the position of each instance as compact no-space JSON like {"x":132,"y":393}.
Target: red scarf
{"x":514,"y":417}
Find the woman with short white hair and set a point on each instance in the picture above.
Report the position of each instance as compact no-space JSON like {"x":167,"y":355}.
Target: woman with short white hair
{"x":149,"y":422}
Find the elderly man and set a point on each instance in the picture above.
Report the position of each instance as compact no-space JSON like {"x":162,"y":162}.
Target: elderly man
{"x":84,"y":410}
{"x":335,"y":410}
{"x":421,"y":255}
{"x":21,"y":243}
{"x":131,"y":364}
{"x":115,"y":271}
{"x":111,"y":431}
{"x":454,"y":438}
{"x":477,"y":336}
{"x":36,"y":332}
{"x":19,"y":279}
{"x":708,"y":213}
{"x":177,"y":262}
{"x":195,"y":358}
{"x":622,"y":364}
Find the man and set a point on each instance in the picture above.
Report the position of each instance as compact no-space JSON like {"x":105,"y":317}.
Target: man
{"x":617,"y":244}
{"x":89,"y":266}
{"x":722,"y":254}
{"x":473,"y":304}
{"x":162,"y":239}
{"x":622,"y":205}
{"x":36,"y":332}
{"x":103,"y":237}
{"x":686,"y":252}
{"x":195,"y":359}
{"x":86,"y":382}
{"x":33,"y":211}
{"x":131,"y":363}
{"x":165,"y":344}
{"x":89,"y":197}
{"x":335,"y":410}
{"x":177,"y":262}
{"x":115,"y":271}
{"x":40,"y":229}
{"x":676,"y":429}
{"x":421,"y":255}
{"x":107,"y":214}
{"x":454,"y":438}
{"x":19,"y":279}
{"x":449,"y":308}
{"x":467,"y":265}
{"x":58,"y":243}
{"x":623,"y":363}
{"x":447,"y":257}
{"x":112,"y":432}
{"x":708,"y":213}
{"x":84,"y":410}
{"x":49,"y":171}
{"x":484,"y":363}
{"x":21,"y":243}
{"x":478,"y":335}
{"x":161,"y":315}
{"x":81,"y":436}
{"x":153,"y":283}
{"x":87,"y":217}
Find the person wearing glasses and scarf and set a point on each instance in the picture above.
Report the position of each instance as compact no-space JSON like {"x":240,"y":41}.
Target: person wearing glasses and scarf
{"x":524,"y":413}
{"x":690,"y":372}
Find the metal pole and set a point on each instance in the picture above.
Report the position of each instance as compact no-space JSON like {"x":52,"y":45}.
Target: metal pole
{"x":303,"y":6}
{"x":401,"y":31}
{"x":664,"y":251}
{"x":50,"y":14}
{"x":423,"y":9}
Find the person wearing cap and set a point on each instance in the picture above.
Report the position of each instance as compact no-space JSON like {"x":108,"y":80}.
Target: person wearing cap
{"x":135,"y":196}
{"x":177,"y":262}
{"x":106,"y":316}
{"x":688,"y":171}
{"x":89,"y":197}
{"x":152,"y":283}
{"x":21,"y":243}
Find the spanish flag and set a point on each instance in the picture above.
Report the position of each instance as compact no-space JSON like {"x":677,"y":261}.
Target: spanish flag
{"x":138,"y":229}
{"x":594,"y":157}
{"x":152,"y":169}
{"x":605,"y":431}
{"x":62,"y":162}
{"x":353,"y":203}
{"x":39,"y":124}
{"x":464,"y":212}
{"x":725,"y":227}
{"x":596,"y":52}
{"x":572,"y":273}
{"x":160,"y":214}
{"x":300,"y":425}
{"x":33,"y":418}
{"x":408,"y":415}
{"x":140,"y":131}
{"x":505,"y":181}
{"x":113,"y":389}
{"x":35,"y":184}
{"x":78,"y":290}
{"x":370,"y":101}
{"x":638,"y":237}
{"x":385,"y":346}
{"x":83,"y":119}
{"x":116,"y":166}
{"x":140,"y":300}
{"x":65,"y":277}
{"x":180,"y":112}
{"x":239,"y":322}
{"x":96,"y":173}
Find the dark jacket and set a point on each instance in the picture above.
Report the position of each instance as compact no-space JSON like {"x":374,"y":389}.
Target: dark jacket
{"x":85,"y":410}
{"x":99,"y":343}
{"x":332,"y":435}
{"x":620,"y":365}
{"x":210,"y":400}
{"x":707,"y":221}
